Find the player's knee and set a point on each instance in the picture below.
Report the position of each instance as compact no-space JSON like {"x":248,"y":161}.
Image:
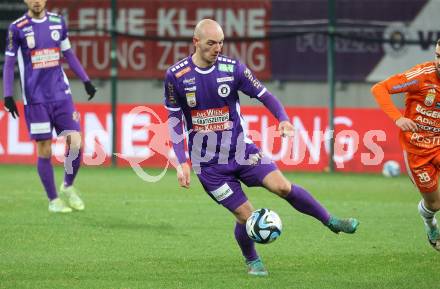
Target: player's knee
{"x":74,"y":141}
{"x":282,"y":189}
{"x":44,"y":149}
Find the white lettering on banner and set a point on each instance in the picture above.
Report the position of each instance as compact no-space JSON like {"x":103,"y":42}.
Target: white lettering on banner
{"x":95,"y":132}
{"x":341,"y":139}
{"x":235,"y":22}
{"x":59,"y":147}
{"x":348,"y":139}
{"x":373,"y":147}
{"x":2,"y":150}
{"x":173,"y":22}
{"x":130,"y":135}
{"x":251,"y":53}
{"x":265,"y":139}
{"x":130,"y":55}
{"x":96,"y":21}
{"x":15,"y":146}
{"x":313,"y":145}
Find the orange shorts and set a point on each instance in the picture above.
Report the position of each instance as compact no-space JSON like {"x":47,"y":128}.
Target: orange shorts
{"x":423,"y":170}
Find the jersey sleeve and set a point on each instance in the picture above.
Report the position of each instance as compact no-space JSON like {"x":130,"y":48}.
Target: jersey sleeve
{"x":65,"y":42}
{"x":398,"y":83}
{"x":12,"y":41}
{"x":248,"y":83}
{"x":175,"y":117}
{"x":170,"y":93}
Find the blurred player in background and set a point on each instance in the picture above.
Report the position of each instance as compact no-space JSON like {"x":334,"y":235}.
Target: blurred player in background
{"x":202,"y":91}
{"x":37,"y":40}
{"x":419,"y":132}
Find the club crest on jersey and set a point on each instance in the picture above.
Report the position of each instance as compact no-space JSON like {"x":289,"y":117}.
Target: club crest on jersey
{"x":55,"y":35}
{"x":30,"y":41}
{"x":191,"y":99}
{"x":224,"y":90}
{"x":429,"y":99}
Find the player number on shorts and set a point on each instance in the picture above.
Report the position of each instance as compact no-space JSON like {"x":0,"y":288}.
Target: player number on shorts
{"x":424,"y":177}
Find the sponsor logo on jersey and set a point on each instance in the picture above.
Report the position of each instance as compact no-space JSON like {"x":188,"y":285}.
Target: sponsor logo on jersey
{"x":27,"y":29}
{"x":183,"y":72}
{"x":406,"y":84}
{"x":225,"y":79}
{"x":224,"y":90}
{"x":22,"y":23}
{"x":53,"y":27}
{"x":226,"y":67}
{"x":189,"y":81}
{"x":429,"y":99}
{"x":30,"y":41}
{"x":171,"y":98}
{"x":44,"y":58}
{"x":191,"y":88}
{"x":430,"y":113}
{"x":252,"y":79}
{"x":213,"y":119}
{"x":424,"y":141}
{"x":55,"y":35}
{"x":10,"y":40}
{"x":40,"y":127}
{"x":55,"y":19}
{"x":191,"y":99}
{"x":222,"y":193}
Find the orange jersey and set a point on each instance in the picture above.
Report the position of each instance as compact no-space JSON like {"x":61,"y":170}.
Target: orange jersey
{"x":421,"y":86}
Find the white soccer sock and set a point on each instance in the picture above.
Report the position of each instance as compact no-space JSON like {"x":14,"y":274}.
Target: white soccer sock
{"x":427,"y":215}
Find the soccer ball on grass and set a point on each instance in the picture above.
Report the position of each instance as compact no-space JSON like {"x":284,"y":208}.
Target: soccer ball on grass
{"x":264,"y":226}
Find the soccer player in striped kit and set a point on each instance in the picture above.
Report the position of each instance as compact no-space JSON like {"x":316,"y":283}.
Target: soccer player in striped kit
{"x":419,"y":132}
{"x":201,"y":91}
{"x":38,"y":40}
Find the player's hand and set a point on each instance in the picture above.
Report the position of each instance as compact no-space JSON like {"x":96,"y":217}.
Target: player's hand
{"x":184,"y":175}
{"x":10,"y":106}
{"x":285,"y":128}
{"x":90,"y":89}
{"x":406,"y":124}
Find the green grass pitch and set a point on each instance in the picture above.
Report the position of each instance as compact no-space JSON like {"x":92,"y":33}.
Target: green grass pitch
{"x":135,"y":234}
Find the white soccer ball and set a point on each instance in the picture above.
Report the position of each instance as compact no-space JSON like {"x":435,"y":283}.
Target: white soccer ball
{"x":264,"y":226}
{"x":391,"y":169}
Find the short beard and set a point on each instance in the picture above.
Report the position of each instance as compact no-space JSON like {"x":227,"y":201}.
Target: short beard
{"x":37,"y":14}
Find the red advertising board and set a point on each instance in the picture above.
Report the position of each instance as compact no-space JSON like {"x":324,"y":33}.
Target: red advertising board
{"x":153,"y":35}
{"x":364,"y":138}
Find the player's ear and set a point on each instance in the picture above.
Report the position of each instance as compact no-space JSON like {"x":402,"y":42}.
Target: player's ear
{"x":195,"y":40}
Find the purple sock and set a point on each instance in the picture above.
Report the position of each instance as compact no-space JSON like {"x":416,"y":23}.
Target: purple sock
{"x":45,"y":171}
{"x":247,"y":246}
{"x":304,"y":202}
{"x":72,"y":162}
